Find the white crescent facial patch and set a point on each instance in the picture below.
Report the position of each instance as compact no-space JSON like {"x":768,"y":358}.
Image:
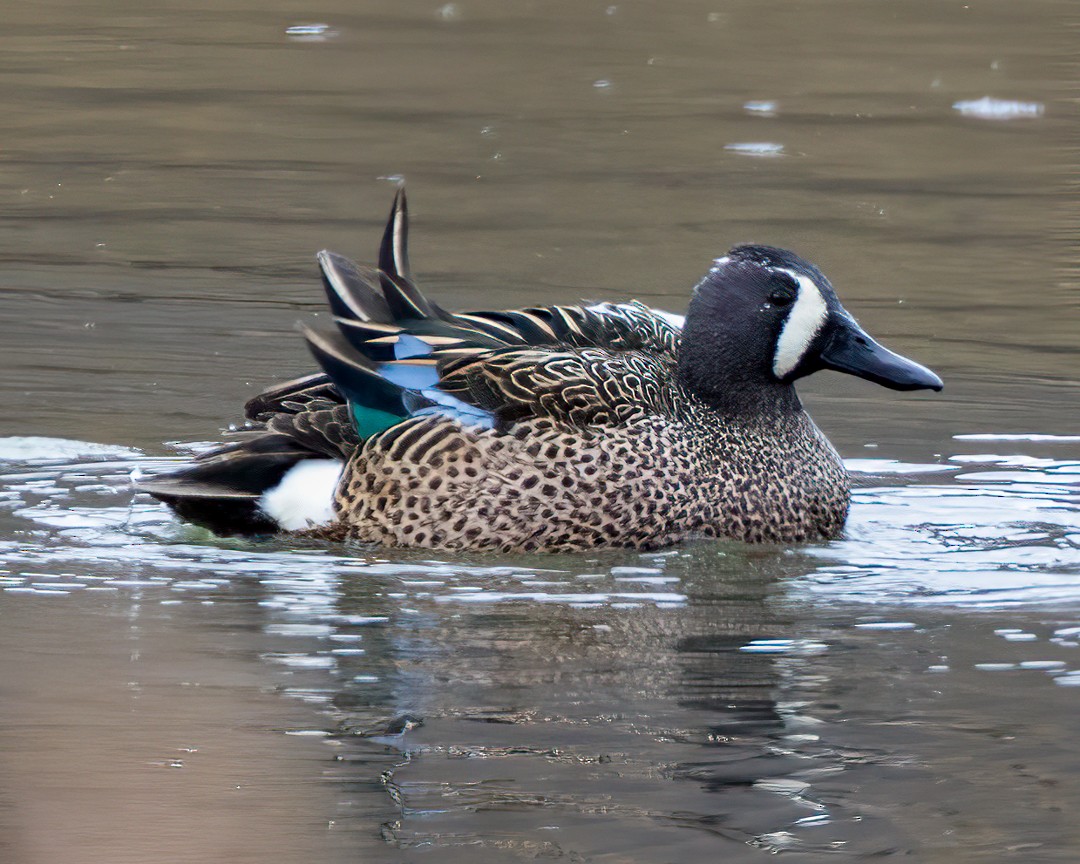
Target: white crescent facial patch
{"x":804,"y":322}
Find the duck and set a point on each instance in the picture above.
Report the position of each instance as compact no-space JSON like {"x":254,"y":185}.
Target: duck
{"x":549,"y":428}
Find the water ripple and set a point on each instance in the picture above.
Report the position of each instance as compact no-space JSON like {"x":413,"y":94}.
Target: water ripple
{"x":1001,"y":535}
{"x":1003,"y":529}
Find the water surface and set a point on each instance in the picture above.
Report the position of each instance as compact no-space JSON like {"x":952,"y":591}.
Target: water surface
{"x":909,"y":690}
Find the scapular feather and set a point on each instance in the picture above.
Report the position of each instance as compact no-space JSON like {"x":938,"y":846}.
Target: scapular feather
{"x":353,"y":290}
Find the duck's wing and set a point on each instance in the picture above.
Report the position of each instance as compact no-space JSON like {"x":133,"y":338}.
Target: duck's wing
{"x":395,"y":353}
{"x":575,"y":388}
{"x":311,"y":411}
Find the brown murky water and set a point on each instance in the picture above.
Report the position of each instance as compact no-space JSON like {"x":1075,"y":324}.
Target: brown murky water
{"x":910,"y":690}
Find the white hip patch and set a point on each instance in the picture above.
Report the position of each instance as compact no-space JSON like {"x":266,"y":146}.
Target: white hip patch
{"x":305,"y":496}
{"x":804,"y":322}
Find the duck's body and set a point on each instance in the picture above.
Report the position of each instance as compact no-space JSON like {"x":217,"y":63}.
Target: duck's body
{"x":555,"y":428}
{"x":650,"y":481}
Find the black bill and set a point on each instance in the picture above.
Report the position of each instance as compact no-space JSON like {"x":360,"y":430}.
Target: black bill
{"x":850,"y":349}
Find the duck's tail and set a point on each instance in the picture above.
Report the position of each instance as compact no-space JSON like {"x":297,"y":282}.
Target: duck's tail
{"x":282,"y":470}
{"x":279,"y":473}
{"x":382,"y":366}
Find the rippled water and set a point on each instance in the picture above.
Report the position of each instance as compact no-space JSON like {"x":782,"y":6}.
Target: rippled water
{"x":909,"y":690}
{"x":711,"y":699}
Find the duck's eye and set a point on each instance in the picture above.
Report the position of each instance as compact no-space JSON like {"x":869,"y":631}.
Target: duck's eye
{"x":781,"y":296}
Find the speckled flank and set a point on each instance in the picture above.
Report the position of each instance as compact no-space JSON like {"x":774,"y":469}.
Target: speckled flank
{"x":646,"y":483}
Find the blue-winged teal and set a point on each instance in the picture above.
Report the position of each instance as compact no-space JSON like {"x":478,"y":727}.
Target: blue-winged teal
{"x":556,"y":427}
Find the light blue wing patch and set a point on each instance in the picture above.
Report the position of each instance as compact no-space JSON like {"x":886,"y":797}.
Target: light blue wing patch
{"x":408,"y":376}
{"x":409,"y":347}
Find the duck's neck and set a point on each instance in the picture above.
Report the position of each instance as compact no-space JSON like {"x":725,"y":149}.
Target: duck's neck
{"x":723,"y":379}
{"x":751,"y":403}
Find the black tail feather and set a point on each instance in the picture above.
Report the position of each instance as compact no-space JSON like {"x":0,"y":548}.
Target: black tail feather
{"x":221,"y":490}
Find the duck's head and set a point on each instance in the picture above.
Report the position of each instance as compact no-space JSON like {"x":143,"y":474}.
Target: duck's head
{"x":763,"y":317}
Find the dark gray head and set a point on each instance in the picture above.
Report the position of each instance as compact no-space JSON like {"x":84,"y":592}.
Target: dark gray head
{"x":762,"y":318}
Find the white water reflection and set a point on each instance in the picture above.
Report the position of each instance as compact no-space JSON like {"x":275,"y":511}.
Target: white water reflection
{"x":756,"y":148}
{"x":37,"y":450}
{"x":310,"y":32}
{"x":989,"y":108}
{"x":761,"y":108}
